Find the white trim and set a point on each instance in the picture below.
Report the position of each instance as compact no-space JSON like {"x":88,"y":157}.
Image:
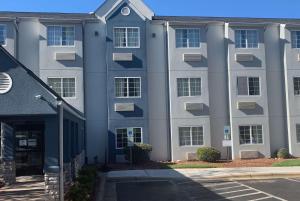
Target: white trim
{"x":61,"y":25}
{"x":116,"y":136}
{"x":62,"y":95}
{"x":188,"y":39}
{"x":7,"y":76}
{"x":251,"y":139}
{"x":191,"y":134}
{"x":258,"y":46}
{"x":5,"y":34}
{"x":140,"y":96}
{"x":126,"y":36}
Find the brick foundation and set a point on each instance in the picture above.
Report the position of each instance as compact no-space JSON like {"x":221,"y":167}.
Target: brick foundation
{"x":8,"y":172}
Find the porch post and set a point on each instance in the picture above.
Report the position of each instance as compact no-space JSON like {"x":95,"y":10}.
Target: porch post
{"x":61,"y":151}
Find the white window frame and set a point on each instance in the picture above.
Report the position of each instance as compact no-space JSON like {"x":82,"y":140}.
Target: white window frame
{"x":61,"y":25}
{"x":292,"y":39}
{"x":75,"y":80}
{"x":126,"y":35}
{"x":5,"y":34}
{"x":191,"y":136}
{"x":188,"y":39}
{"x":116,"y":136}
{"x":251,"y":139}
{"x":248,"y":90}
{"x":140,"y":96}
{"x":257,"y":30}
{"x":189,"y":82}
{"x":294,"y":86}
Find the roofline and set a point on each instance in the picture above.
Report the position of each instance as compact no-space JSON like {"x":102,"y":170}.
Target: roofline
{"x":41,"y":82}
{"x":225,"y":19}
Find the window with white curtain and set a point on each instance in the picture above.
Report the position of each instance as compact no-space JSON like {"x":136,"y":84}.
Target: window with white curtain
{"x":126,"y":37}
{"x":58,"y":35}
{"x":189,"y":86}
{"x":187,"y":38}
{"x":128,"y":87}
{"x":247,"y":38}
{"x":65,"y":87}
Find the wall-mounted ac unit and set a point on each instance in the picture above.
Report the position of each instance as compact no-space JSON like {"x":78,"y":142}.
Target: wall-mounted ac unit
{"x":244,"y":57}
{"x":194,"y":106}
{"x":65,"y":56}
{"x":243,"y":105}
{"x":124,"y":107}
{"x":189,"y":57}
{"x":122,"y":57}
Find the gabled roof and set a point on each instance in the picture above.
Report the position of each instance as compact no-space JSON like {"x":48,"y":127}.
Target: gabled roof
{"x":110,"y":5}
{"x":43,"y":84}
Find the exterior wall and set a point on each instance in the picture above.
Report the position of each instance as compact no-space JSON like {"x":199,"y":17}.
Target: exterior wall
{"x":158,"y":92}
{"x":259,"y":115}
{"x":180,"y":69}
{"x":136,"y":68}
{"x":293,"y":101}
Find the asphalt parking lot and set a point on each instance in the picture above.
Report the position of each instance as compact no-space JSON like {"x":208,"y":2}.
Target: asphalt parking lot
{"x":193,"y":189}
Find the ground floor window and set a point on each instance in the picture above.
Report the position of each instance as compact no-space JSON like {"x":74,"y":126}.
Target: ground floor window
{"x":190,"y":136}
{"x":251,"y":134}
{"x":122,"y":139}
{"x":298,"y":133}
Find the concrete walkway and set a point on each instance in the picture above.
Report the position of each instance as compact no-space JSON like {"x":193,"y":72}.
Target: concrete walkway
{"x":211,"y":173}
{"x":26,"y":188}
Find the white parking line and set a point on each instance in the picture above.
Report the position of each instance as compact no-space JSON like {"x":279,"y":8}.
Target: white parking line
{"x":224,"y":188}
{"x":263,"y":198}
{"x":228,"y":192}
{"x":244,"y":195}
{"x":293,"y":180}
{"x":220,"y":184}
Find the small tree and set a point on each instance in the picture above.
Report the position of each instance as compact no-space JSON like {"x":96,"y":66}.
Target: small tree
{"x":208,"y":154}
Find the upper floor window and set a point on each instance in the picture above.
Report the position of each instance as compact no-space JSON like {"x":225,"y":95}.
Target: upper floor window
{"x":190,"y":136}
{"x":297,"y":86}
{"x":295,"y":39}
{"x":189,"y":86}
{"x":60,"y":35}
{"x":246,"y":38}
{"x":3,"y":35}
{"x":122,"y":136}
{"x":65,"y":87}
{"x":249,"y":86}
{"x":128,"y":87}
{"x":187,"y":38}
{"x":251,"y":134}
{"x":127,"y":37}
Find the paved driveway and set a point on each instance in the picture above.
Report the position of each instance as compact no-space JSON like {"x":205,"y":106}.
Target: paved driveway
{"x":26,"y":188}
{"x":194,"y":189}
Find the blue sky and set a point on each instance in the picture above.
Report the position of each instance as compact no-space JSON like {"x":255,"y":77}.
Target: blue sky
{"x":230,"y":8}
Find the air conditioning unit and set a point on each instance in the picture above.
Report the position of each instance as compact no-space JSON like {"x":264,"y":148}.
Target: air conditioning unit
{"x":194,"y":106}
{"x":122,"y":57}
{"x":244,"y":57}
{"x":65,"y":56}
{"x":124,"y":107}
{"x":192,"y":57}
{"x":246,"y":105}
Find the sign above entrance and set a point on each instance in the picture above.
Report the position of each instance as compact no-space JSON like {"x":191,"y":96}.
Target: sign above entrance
{"x":130,"y":137}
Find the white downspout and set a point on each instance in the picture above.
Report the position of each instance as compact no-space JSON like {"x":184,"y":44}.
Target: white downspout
{"x":61,"y":150}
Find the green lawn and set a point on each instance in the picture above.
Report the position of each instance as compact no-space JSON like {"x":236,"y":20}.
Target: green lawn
{"x":186,"y":166}
{"x":287,"y":163}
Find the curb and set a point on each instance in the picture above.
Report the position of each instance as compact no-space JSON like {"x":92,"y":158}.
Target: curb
{"x":101,"y":189}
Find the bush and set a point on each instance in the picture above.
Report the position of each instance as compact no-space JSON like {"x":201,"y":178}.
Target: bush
{"x":140,"y":153}
{"x":83,"y":187}
{"x":208,"y":154}
{"x":283,"y":153}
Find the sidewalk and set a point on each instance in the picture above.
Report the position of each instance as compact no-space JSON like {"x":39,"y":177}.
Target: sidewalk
{"x":211,"y":173}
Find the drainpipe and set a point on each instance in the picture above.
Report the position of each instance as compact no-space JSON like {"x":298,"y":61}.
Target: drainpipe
{"x":61,"y":150}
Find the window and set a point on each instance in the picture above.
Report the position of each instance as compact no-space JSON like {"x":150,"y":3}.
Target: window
{"x":187,"y":38}
{"x":295,"y":39}
{"x":189,"y":86}
{"x":249,"y":86}
{"x":128,"y":87}
{"x":122,"y":139}
{"x":60,"y":35}
{"x":298,"y":132}
{"x":125,"y":37}
{"x":190,"y":136}
{"x":297,"y":86}
{"x":3,"y":35}
{"x":251,"y":134}
{"x":246,"y":38}
{"x":65,"y":87}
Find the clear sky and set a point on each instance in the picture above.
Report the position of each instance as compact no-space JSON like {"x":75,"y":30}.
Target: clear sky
{"x":230,"y":8}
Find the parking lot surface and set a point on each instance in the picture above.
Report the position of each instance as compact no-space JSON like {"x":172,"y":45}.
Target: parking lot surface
{"x":193,"y":189}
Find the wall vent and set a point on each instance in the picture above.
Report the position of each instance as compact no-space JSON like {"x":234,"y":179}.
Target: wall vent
{"x":5,"y":83}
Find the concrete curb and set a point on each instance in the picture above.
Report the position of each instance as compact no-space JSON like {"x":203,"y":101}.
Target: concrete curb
{"x":101,"y":189}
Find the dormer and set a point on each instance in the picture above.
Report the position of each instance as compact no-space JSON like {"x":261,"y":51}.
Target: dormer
{"x":125,"y":7}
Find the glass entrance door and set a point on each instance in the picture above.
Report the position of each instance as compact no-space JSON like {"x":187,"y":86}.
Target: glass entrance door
{"x":29,"y":150}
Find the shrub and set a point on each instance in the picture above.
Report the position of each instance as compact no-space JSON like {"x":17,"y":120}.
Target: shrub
{"x":84,"y":185}
{"x":140,"y":153}
{"x":283,"y":153}
{"x":208,"y":154}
